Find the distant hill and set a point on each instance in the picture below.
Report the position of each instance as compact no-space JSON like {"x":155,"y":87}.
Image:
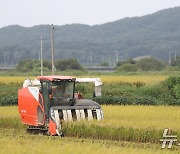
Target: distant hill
{"x":151,"y":35}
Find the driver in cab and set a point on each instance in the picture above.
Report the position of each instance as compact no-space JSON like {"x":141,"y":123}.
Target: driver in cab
{"x":58,"y":92}
{"x":59,"y":95}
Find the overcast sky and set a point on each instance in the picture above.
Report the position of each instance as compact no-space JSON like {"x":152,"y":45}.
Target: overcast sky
{"x":59,"y":12}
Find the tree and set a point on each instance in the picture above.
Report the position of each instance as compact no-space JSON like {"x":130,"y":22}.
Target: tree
{"x":32,"y":65}
{"x":68,"y":64}
{"x":47,"y":64}
{"x":176,"y":62}
{"x":129,"y":61}
{"x":104,"y":64}
{"x":148,"y":64}
{"x":28,"y":65}
{"x":127,"y":67}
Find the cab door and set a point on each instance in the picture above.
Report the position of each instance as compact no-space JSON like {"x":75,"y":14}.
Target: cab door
{"x":45,"y":86}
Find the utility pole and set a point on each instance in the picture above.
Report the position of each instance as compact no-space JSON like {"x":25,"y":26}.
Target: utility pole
{"x":170,"y":57}
{"x":41,"y":56}
{"x":175,"y":55}
{"x":117,"y":56}
{"x":91,"y":57}
{"x":52,"y":47}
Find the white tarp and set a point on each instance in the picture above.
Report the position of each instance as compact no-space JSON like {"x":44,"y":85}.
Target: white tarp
{"x":35,"y":92}
{"x":29,"y":82}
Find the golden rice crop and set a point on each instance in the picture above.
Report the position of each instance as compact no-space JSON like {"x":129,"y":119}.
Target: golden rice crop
{"x":13,"y":79}
{"x":9,"y":112}
{"x":140,"y":117}
{"x":146,"y":79}
{"x":133,"y":79}
{"x":122,"y":123}
{"x":106,"y":79}
{"x":143,"y":117}
{"x":16,"y":141}
{"x":129,"y":123}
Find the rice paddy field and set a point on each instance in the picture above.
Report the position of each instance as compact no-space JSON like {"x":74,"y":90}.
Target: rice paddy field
{"x":141,"y":126}
{"x":106,"y":79}
{"x":133,"y":79}
{"x":15,"y":141}
{"x":125,"y":129}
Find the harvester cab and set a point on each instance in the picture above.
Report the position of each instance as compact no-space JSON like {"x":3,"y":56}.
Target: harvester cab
{"x":47,"y":102}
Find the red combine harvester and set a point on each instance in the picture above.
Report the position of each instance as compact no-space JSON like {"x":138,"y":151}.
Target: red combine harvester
{"x":48,"y":101}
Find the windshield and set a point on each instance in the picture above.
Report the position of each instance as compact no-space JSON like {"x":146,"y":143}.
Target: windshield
{"x":62,"y":92}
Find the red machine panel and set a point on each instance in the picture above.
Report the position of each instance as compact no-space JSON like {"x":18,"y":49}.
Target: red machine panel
{"x":27,"y":105}
{"x":52,"y":127}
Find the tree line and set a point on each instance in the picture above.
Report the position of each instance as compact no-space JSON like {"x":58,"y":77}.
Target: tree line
{"x":60,"y":65}
{"x":130,"y":65}
{"x":153,"y":35}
